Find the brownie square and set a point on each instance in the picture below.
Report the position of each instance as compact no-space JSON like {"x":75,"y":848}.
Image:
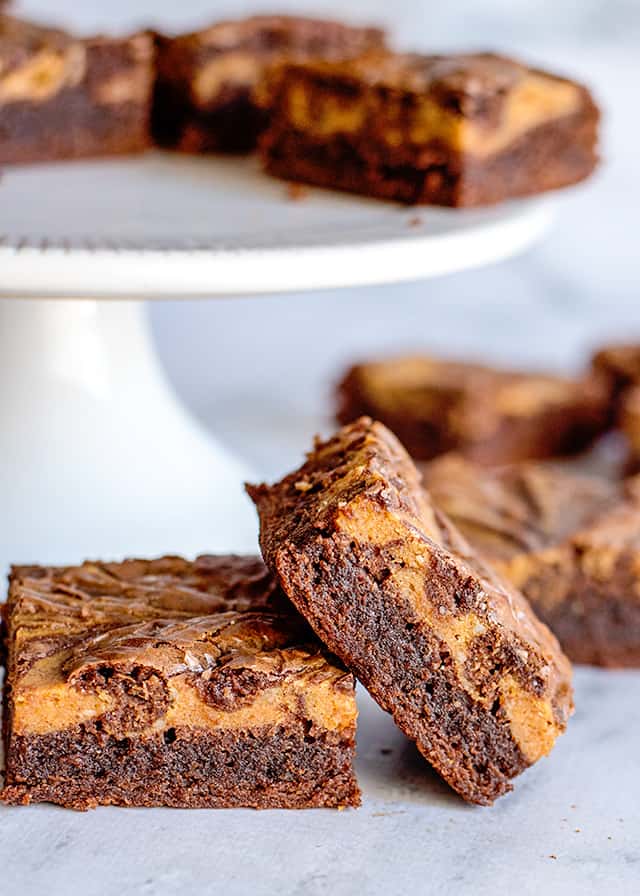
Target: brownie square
{"x":570,"y":542}
{"x":455,"y":130}
{"x":387,"y":583}
{"x":63,"y":97}
{"x":493,"y":416}
{"x":209,"y":88}
{"x":171,"y":683}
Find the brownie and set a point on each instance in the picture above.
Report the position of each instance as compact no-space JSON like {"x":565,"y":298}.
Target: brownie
{"x":629,"y":419}
{"x":570,"y":542}
{"x":171,"y":683}
{"x":618,"y":365}
{"x":455,"y":130}
{"x":493,"y":416}
{"x":63,"y":97}
{"x":387,"y":582}
{"x":209,"y":88}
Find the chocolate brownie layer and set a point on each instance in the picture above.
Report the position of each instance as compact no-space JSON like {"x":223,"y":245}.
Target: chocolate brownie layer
{"x":172,"y":683}
{"x":458,"y":130}
{"x":65,"y":97}
{"x":492,"y":416}
{"x":391,"y":587}
{"x":569,"y":542}
{"x":209,"y":89}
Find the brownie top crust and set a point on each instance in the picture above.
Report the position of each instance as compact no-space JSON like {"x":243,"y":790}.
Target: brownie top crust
{"x":517,"y":509}
{"x":208,"y":641}
{"x":37,"y":63}
{"x":238,"y":53}
{"x":359,"y":491}
{"x":271,"y":34}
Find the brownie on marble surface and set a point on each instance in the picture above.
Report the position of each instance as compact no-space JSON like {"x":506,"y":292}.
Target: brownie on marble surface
{"x":455,"y":130}
{"x":569,"y":542}
{"x":171,"y":683}
{"x":391,"y":587}
{"x":63,"y":97}
{"x":492,"y":416}
{"x":208,"y":92}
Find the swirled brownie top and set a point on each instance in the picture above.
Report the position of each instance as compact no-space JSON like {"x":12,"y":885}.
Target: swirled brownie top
{"x":216,"y":636}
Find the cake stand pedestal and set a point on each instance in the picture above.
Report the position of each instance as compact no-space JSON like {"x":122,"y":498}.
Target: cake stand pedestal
{"x":98,"y":457}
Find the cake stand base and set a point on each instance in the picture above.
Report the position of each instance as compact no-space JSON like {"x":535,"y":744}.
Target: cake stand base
{"x":98,"y":458}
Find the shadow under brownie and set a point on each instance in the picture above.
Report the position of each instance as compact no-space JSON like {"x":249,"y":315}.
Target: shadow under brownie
{"x":456,"y":655}
{"x":170,"y":683}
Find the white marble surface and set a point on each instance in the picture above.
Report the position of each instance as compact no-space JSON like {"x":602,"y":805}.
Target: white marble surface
{"x":570,"y":827}
{"x":259,"y":372}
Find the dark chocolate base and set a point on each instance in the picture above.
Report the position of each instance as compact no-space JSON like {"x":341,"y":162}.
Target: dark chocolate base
{"x":232,"y":126}
{"x":551,"y":156}
{"x":340,"y":589}
{"x":261,"y":769}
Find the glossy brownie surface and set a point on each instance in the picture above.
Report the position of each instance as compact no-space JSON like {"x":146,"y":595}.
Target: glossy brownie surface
{"x":167,"y":682}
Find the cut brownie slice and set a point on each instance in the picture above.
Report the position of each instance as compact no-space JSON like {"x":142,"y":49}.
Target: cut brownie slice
{"x":63,"y":97}
{"x":456,"y":656}
{"x":208,"y":93}
{"x":169,"y":683}
{"x":459,"y":130}
{"x":493,"y":416}
{"x":570,"y":542}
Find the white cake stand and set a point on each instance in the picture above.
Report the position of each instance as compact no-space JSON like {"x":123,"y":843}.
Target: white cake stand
{"x":98,"y":457}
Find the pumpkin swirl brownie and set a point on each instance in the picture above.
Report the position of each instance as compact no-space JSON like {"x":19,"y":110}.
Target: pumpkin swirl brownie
{"x":171,"y":683}
{"x":63,"y":97}
{"x":493,"y":416}
{"x":390,"y":586}
{"x":570,"y":542}
{"x":456,"y":130}
{"x":209,"y":91}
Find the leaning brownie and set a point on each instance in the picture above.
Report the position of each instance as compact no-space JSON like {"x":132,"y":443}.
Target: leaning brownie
{"x":570,"y":542}
{"x":458,"y":130}
{"x":63,"y":97}
{"x":456,"y":656}
{"x":169,"y":683}
{"x":209,"y":81}
{"x":493,"y":416}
